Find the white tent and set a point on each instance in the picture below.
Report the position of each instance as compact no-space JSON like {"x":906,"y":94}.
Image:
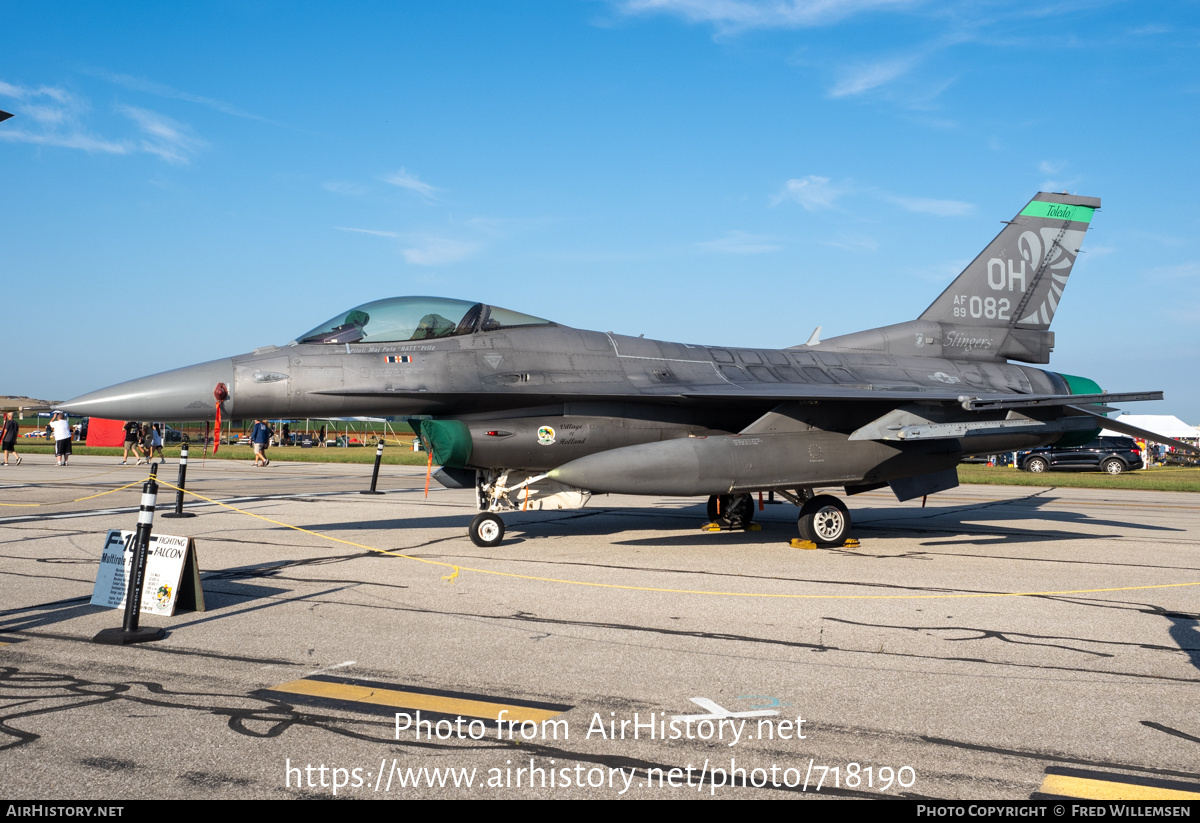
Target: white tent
{"x":1168,"y":425}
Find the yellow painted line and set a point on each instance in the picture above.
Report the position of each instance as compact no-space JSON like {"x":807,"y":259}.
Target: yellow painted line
{"x":457,"y":568}
{"x":1090,"y":789}
{"x":459,"y":706}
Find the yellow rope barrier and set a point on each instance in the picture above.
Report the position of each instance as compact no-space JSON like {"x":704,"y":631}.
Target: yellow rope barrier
{"x":457,"y":568}
{"x":77,"y":499}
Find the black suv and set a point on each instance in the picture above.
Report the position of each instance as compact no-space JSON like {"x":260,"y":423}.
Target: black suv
{"x":1111,"y":454}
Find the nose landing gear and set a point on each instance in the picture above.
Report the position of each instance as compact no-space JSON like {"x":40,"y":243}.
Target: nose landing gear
{"x":486,"y":530}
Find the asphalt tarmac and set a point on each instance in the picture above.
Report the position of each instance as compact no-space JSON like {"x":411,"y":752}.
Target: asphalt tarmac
{"x":999,"y":643}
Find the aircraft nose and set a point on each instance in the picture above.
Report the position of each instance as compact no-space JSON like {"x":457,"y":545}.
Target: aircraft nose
{"x":180,"y":394}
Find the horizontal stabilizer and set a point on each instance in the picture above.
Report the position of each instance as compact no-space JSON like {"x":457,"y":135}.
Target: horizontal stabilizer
{"x":901,"y":424}
{"x":1117,"y":426}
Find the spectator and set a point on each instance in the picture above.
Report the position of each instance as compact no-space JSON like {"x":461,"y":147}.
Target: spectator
{"x":62,"y":437}
{"x":8,"y":438}
{"x":260,"y":436}
{"x":156,"y":444}
{"x":133,"y":434}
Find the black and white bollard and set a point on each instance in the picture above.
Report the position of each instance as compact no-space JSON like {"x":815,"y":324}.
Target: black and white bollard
{"x":129,"y":631}
{"x":181,"y":483}
{"x":375,"y":473}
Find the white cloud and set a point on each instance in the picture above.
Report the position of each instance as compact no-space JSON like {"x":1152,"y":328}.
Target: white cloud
{"x":1186,"y":312}
{"x":374,"y":232}
{"x":853,"y":242}
{"x":939,"y":272}
{"x":22,"y":92}
{"x":423,"y":250}
{"x":46,"y":115}
{"x":864,"y":78}
{"x":740,"y":242}
{"x":938,"y":208}
{"x":66,"y":141}
{"x":164,"y":137}
{"x":436,"y":251}
{"x":743,"y":15}
{"x":407,"y":180}
{"x":160,"y":90}
{"x":56,"y":118}
{"x":1179,"y":272}
{"x":811,"y":192}
{"x":342,"y":187}
{"x":54,"y":115}
{"x":1055,"y":182}
{"x":817,"y":193}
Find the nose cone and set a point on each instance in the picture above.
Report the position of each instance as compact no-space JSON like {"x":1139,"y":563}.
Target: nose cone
{"x":180,"y":394}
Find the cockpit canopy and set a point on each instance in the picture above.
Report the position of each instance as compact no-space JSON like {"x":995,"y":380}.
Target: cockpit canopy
{"x":400,"y":319}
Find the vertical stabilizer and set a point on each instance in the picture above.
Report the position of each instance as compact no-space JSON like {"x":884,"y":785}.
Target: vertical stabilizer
{"x":1018,"y":280}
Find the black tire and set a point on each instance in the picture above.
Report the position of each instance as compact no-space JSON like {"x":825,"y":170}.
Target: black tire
{"x":824,"y":520}
{"x":735,"y":510}
{"x":1113,"y":466}
{"x":1037,"y":465}
{"x":486,"y":530}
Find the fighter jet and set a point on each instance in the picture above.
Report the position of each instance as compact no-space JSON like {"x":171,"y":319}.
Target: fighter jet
{"x":535,"y":415}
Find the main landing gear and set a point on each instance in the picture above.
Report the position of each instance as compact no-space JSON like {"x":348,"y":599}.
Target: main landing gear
{"x":731,"y":511}
{"x":824,"y":519}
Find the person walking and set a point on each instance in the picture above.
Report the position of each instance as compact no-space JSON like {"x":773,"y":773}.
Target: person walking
{"x":260,"y":436}
{"x":156,"y":443}
{"x":62,"y":437}
{"x":8,"y":439}
{"x":133,"y":433}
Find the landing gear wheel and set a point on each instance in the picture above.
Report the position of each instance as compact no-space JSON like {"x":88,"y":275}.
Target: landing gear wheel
{"x":1037,"y":465}
{"x":825,"y":521}
{"x":731,"y":511}
{"x":1114,"y":466}
{"x":486,"y":530}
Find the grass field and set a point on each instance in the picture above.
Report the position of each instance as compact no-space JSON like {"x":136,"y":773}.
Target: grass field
{"x":392,"y":455}
{"x":1159,"y":478}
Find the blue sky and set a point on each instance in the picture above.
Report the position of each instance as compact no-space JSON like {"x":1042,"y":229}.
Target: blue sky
{"x":186,"y":182}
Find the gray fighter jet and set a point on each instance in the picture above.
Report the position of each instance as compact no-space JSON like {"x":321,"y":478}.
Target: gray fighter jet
{"x":536,"y":415}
